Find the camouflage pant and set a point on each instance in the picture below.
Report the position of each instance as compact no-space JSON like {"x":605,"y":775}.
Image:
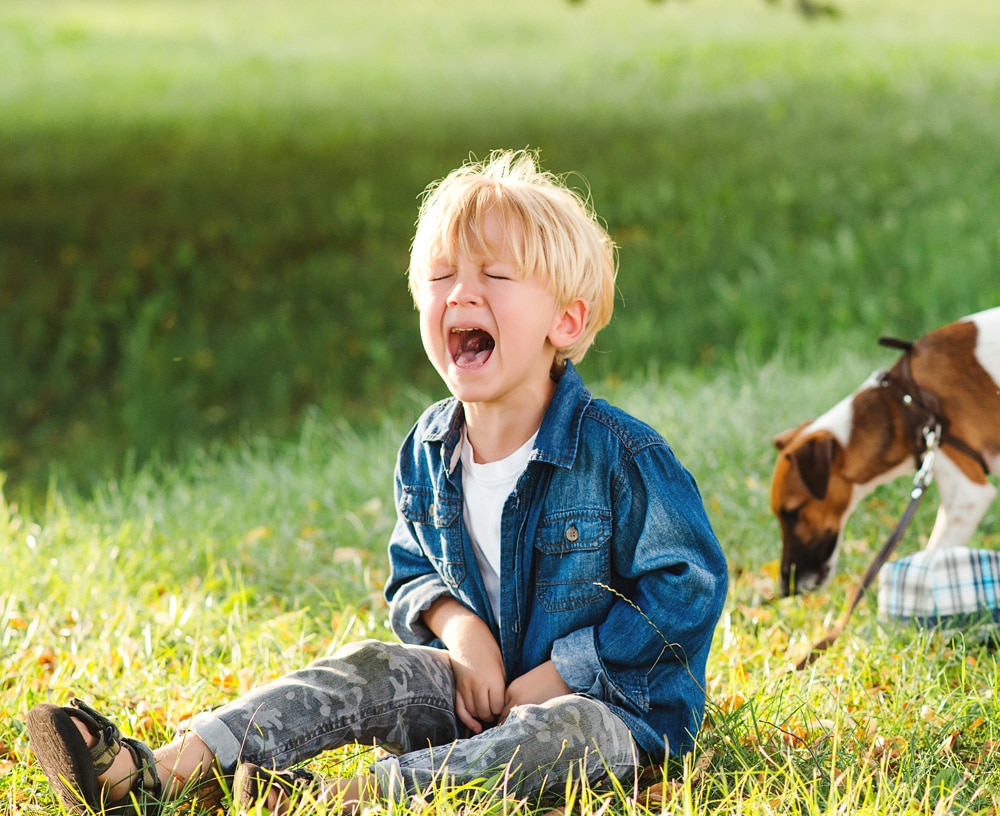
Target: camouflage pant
{"x":402,"y":698}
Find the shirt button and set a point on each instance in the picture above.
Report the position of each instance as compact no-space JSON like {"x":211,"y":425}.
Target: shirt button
{"x":572,"y":534}
{"x":432,"y":511}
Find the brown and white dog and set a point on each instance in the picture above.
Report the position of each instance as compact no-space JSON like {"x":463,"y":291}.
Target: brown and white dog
{"x":950,"y":378}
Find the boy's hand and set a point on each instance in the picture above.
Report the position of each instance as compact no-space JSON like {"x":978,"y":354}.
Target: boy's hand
{"x":476,"y":662}
{"x":480,"y":682}
{"x":541,"y":684}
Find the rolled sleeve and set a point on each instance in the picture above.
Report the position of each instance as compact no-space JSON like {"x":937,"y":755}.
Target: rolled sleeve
{"x":412,"y":587}
{"x":407,"y":606}
{"x":576,"y":659}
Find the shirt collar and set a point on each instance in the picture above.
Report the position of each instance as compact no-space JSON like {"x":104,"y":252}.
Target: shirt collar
{"x":558,"y":438}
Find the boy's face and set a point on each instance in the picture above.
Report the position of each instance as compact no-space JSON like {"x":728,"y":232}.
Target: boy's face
{"x":489,"y":332}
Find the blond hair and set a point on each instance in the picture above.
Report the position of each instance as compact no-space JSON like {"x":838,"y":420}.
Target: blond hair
{"x":564,"y":245}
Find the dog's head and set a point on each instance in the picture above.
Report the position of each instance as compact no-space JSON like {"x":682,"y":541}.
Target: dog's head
{"x":811,"y":499}
{"x":824,"y":469}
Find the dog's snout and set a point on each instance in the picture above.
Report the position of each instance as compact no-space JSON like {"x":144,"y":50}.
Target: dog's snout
{"x":807,"y":565}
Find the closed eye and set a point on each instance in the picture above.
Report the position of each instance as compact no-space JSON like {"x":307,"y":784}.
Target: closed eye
{"x":440,"y":268}
{"x":500,"y":270}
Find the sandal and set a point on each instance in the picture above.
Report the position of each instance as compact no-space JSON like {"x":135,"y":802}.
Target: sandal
{"x":252,"y":784}
{"x":72,"y":768}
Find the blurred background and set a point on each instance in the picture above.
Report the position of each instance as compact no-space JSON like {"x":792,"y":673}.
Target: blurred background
{"x":206,"y":208}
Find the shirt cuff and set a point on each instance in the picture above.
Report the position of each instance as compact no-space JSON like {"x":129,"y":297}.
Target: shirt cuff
{"x":576,"y":659}
{"x":408,"y":607}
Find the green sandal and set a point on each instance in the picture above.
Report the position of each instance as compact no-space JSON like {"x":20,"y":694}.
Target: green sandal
{"x":252,"y":784}
{"x":72,"y":768}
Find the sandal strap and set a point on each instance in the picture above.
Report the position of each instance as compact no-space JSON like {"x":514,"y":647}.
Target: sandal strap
{"x":253,"y":783}
{"x":304,"y":780}
{"x":109,"y":738}
{"x":146,"y":787}
{"x":294,"y":780}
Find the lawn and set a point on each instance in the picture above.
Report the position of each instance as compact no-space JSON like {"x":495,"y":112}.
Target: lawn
{"x":204,"y":216}
{"x":180,"y":585}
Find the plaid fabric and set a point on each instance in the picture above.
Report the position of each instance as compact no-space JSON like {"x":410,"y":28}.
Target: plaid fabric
{"x":933,"y":585}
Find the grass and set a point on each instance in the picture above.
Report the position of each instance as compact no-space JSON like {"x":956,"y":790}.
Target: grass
{"x":204,"y":213}
{"x":205,"y":209}
{"x":181,"y":585}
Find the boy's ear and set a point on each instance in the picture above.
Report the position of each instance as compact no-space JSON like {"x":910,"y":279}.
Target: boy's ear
{"x":568,"y":324}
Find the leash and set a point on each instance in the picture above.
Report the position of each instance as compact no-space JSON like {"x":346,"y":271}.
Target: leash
{"x":921,"y":481}
{"x":929,"y":430}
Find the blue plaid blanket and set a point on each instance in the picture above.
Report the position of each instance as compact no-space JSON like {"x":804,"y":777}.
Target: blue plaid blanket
{"x":933,"y":586}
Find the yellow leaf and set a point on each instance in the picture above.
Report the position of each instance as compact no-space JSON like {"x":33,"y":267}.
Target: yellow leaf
{"x":733,"y":702}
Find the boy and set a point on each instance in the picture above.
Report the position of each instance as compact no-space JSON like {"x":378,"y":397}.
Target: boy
{"x":554,"y":579}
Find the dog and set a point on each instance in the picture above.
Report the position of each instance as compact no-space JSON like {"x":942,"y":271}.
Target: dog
{"x":947,"y":381}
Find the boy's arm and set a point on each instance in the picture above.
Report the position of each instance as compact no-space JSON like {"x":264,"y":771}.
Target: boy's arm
{"x":656,"y":636}
{"x":412,"y":587}
{"x":423,"y":611}
{"x":476,"y":662}
{"x":541,"y":684}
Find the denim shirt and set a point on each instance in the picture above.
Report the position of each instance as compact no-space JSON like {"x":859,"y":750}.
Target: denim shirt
{"x":609,"y":566}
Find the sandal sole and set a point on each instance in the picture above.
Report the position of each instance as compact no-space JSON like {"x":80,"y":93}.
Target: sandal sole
{"x":65,"y":758}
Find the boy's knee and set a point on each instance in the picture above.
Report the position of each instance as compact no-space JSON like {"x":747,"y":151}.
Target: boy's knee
{"x":571,"y":714}
{"x":362,"y":647}
{"x":373,"y":658}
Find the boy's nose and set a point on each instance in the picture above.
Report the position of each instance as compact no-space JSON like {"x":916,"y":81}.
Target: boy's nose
{"x":465,"y":291}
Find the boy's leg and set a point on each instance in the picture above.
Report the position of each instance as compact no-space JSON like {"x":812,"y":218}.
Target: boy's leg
{"x":401,"y":697}
{"x":536,"y":750}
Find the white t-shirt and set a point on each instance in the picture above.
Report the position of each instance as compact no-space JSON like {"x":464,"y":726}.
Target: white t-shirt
{"x":486,"y":488}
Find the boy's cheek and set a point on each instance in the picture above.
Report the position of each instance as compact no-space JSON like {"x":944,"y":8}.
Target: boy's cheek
{"x":419,"y":293}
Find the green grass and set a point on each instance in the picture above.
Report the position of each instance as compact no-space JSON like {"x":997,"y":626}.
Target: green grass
{"x":204,"y":216}
{"x":205,"y":209}
{"x":179,"y":585}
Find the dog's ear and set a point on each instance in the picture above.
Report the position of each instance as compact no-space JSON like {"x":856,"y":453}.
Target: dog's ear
{"x":782,"y":439}
{"x":814,"y":460}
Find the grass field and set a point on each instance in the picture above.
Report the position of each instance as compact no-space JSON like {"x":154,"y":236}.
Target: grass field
{"x":179,"y":586}
{"x":204,"y":215}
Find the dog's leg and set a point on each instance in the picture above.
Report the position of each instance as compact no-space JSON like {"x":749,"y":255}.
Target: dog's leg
{"x":963,"y":505}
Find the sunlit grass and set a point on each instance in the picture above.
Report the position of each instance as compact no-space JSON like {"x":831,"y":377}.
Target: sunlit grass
{"x":205,"y":208}
{"x":232,"y":186}
{"x":181,"y":586}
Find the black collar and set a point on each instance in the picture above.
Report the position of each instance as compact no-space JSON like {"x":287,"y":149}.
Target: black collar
{"x":921,"y":407}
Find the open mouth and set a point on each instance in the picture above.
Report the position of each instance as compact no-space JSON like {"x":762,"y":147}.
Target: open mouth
{"x":471,"y":347}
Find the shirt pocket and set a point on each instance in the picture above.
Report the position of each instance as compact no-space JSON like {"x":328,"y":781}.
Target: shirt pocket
{"x":436,"y":522}
{"x":574,"y":562}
